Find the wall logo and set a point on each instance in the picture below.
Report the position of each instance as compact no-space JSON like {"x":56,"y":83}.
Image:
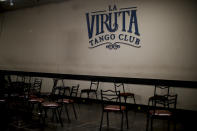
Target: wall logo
{"x":113,"y":27}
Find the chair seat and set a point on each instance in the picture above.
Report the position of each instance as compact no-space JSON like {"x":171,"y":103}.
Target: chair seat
{"x":67,"y":101}
{"x":114,"y":108}
{"x":160,"y":112}
{"x":50,"y":104}
{"x":126,"y":94}
{"x":36,"y":100}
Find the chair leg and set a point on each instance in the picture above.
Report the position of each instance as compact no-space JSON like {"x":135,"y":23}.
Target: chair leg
{"x":66,"y":109}
{"x":45,"y":116}
{"x":80,"y":94}
{"x":74,"y":111}
{"x":60,"y":119}
{"x":174,"y":120}
{"x":168,"y":125}
{"x":151,"y":125}
{"x":32,"y":107}
{"x":88,"y":95}
{"x":101,"y":120}
{"x":125,"y":99}
{"x":126,"y":113}
{"x":147,"y":123}
{"x":134,"y":99}
{"x":61,"y":110}
{"x":41,"y":118}
{"x":107,"y":119}
{"x":55,"y":114}
{"x":122,"y":121}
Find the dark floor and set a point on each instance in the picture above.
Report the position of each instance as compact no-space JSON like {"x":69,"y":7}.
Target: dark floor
{"x":89,"y":116}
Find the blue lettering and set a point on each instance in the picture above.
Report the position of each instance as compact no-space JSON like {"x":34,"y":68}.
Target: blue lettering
{"x":107,"y":37}
{"x":131,"y":39}
{"x":137,"y":42}
{"x":97,"y":26}
{"x":110,"y":23}
{"x":121,"y":37}
{"x":125,"y":38}
{"x":133,"y":19}
{"x":123,"y":19}
{"x":103,"y":22}
{"x":90,"y":27}
{"x":96,"y":41}
{"x":101,"y":38}
{"x":91,"y":42}
{"x":112,"y":36}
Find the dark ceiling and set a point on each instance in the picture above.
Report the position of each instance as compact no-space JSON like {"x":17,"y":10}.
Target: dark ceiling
{"x":8,"y":5}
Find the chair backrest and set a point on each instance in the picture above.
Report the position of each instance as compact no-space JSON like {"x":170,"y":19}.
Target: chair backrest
{"x":25,"y":79}
{"x":54,"y":89}
{"x":110,"y":97}
{"x":74,"y":91}
{"x":161,"y":90}
{"x":20,"y":78}
{"x":119,"y":86}
{"x":57,"y":91}
{"x":22,"y":84}
{"x":94,"y":85}
{"x":54,"y":86}
{"x":36,"y":87}
{"x":172,"y":101}
{"x":169,"y":104}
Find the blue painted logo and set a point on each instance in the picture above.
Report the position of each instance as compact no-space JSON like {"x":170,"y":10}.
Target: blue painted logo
{"x":113,"y":27}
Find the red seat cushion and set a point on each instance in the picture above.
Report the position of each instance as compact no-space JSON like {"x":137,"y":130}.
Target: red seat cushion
{"x":114,"y":108}
{"x":67,"y":101}
{"x":32,"y":96}
{"x":50,"y":104}
{"x":160,"y":112}
{"x":39,"y":100}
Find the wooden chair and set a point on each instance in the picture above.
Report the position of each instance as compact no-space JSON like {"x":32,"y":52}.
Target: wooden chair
{"x":93,"y":89}
{"x":124,"y":94}
{"x":111,"y":102}
{"x":160,"y":93}
{"x":69,"y":100}
{"x":164,"y":108}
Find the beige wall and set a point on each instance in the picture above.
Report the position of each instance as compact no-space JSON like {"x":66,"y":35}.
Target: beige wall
{"x":54,"y":38}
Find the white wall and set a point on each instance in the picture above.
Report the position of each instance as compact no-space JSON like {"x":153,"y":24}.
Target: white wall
{"x":54,"y":38}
